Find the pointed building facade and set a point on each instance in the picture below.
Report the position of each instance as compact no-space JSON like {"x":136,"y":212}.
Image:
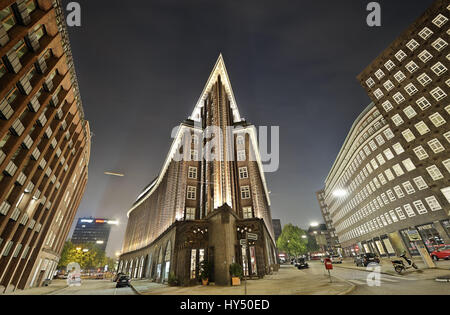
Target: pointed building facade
{"x":210,"y":192}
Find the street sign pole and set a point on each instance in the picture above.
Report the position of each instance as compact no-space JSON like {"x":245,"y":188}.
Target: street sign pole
{"x":246,"y":262}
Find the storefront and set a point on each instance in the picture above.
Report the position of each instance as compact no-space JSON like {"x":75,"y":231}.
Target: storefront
{"x":410,"y":245}
{"x":430,"y":236}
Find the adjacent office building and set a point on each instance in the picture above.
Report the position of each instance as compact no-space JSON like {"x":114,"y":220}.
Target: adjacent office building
{"x":199,"y":209}
{"x":390,"y":182}
{"x":44,"y":141}
{"x":92,"y":230}
{"x":277,"y":229}
{"x":333,"y":245}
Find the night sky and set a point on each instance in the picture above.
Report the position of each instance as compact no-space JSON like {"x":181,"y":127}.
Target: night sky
{"x":142,"y":65}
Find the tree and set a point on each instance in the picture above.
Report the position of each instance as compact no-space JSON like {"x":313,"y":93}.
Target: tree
{"x":293,"y":240}
{"x":88,"y":256}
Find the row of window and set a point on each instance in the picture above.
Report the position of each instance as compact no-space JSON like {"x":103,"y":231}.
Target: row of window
{"x":392,"y":216}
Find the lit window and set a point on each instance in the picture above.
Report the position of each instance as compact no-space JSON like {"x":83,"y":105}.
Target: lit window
{"x":412,"y":45}
{"x":399,"y":76}
{"x":409,"y":188}
{"x":425,"y":33}
{"x":379,"y":74}
{"x":388,"y":85}
{"x":370,"y":82}
{"x":421,"y":153}
{"x":194,"y":155}
{"x":437,"y":119}
{"x":241,"y":155}
{"x":409,"y":165}
{"x":438,"y":94}
{"x":439,"y":44}
{"x":434,"y":172}
{"x":243,"y":173}
{"x":447,"y":136}
{"x":446,"y":192}
{"x":192,"y":173}
{"x":422,"y":128}
{"x":399,"y":192}
{"x":438,"y":68}
{"x":387,"y":106}
{"x":425,"y":56}
{"x":409,"y":210}
{"x":388,"y":153}
{"x":397,"y":119}
{"x":390,"y":176}
{"x":436,"y":146}
{"x":247,"y":212}
{"x":423,"y":103}
{"x":411,"y":89}
{"x":398,"y":170}
{"x":446,"y":164}
{"x":424,"y":79}
{"x":400,"y":213}
{"x":420,"y":207}
{"x":245,"y":192}
{"x":409,"y":112}
{"x":190,"y":213}
{"x":400,"y":55}
{"x":389,"y":65}
{"x":388,"y":133}
{"x":398,"y":148}
{"x":420,"y":183}
{"x":408,"y":135}
{"x":440,"y":20}
{"x":398,"y":98}
{"x":191,"y":192}
{"x":378,"y":94}
{"x":412,"y":67}
{"x":433,"y":203}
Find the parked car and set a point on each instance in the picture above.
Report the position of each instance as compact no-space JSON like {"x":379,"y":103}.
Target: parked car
{"x":336,"y":259}
{"x":363,"y":260}
{"x":441,"y":253}
{"x":117,"y":276}
{"x":301,"y":263}
{"x":123,"y":281}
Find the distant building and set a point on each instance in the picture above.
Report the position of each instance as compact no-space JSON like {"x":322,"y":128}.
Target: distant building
{"x":92,"y":230}
{"x":276,"y":223}
{"x":322,"y":236}
{"x":333,"y":242}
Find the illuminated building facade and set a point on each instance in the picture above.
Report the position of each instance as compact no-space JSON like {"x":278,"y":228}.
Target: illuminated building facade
{"x":199,"y":209}
{"x":44,"y":141}
{"x":391,"y":177}
{"x":92,"y":230}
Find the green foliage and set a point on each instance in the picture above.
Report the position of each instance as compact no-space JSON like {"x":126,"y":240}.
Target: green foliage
{"x":173,"y":281}
{"x":236,"y":270}
{"x":205,"y":270}
{"x":92,"y":259}
{"x":291,"y":241}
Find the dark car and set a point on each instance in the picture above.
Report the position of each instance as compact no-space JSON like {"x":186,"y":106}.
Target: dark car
{"x":301,"y":263}
{"x":363,"y":260}
{"x":117,"y":276}
{"x":123,"y":281}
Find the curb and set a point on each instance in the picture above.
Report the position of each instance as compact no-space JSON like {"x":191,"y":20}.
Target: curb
{"x":395,"y":274}
{"x":134,"y":289}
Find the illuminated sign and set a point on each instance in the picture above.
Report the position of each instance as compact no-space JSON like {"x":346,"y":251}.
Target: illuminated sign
{"x":100,"y":221}
{"x":86,"y":220}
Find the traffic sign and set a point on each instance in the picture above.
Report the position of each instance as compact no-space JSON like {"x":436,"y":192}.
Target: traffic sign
{"x":252,"y":236}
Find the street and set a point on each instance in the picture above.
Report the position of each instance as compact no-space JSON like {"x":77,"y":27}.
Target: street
{"x":95,"y":287}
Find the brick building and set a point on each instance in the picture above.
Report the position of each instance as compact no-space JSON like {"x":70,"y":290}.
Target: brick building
{"x":199,"y":209}
{"x":391,"y":177}
{"x":45,"y":141}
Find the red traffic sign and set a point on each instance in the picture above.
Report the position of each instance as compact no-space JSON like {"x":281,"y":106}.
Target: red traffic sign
{"x":328,"y":264}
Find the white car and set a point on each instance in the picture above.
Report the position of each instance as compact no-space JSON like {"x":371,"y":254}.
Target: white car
{"x":336,"y":259}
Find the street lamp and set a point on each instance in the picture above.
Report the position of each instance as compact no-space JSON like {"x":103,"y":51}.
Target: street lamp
{"x":314,"y":224}
{"x":304,"y":236}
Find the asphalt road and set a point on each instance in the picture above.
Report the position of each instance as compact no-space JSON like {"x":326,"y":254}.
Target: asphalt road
{"x":95,"y":287}
{"x":387,"y":284}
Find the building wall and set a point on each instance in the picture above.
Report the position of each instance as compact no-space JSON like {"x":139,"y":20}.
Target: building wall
{"x":45,"y":142}
{"x":332,"y":239}
{"x":394,"y":166}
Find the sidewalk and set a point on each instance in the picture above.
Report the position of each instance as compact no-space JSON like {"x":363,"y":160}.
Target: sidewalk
{"x":56,"y":285}
{"x":423,"y":273}
{"x":287,"y":281}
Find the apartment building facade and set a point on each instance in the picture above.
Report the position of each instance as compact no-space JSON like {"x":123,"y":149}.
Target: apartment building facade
{"x":390,"y":181}
{"x":45,"y":141}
